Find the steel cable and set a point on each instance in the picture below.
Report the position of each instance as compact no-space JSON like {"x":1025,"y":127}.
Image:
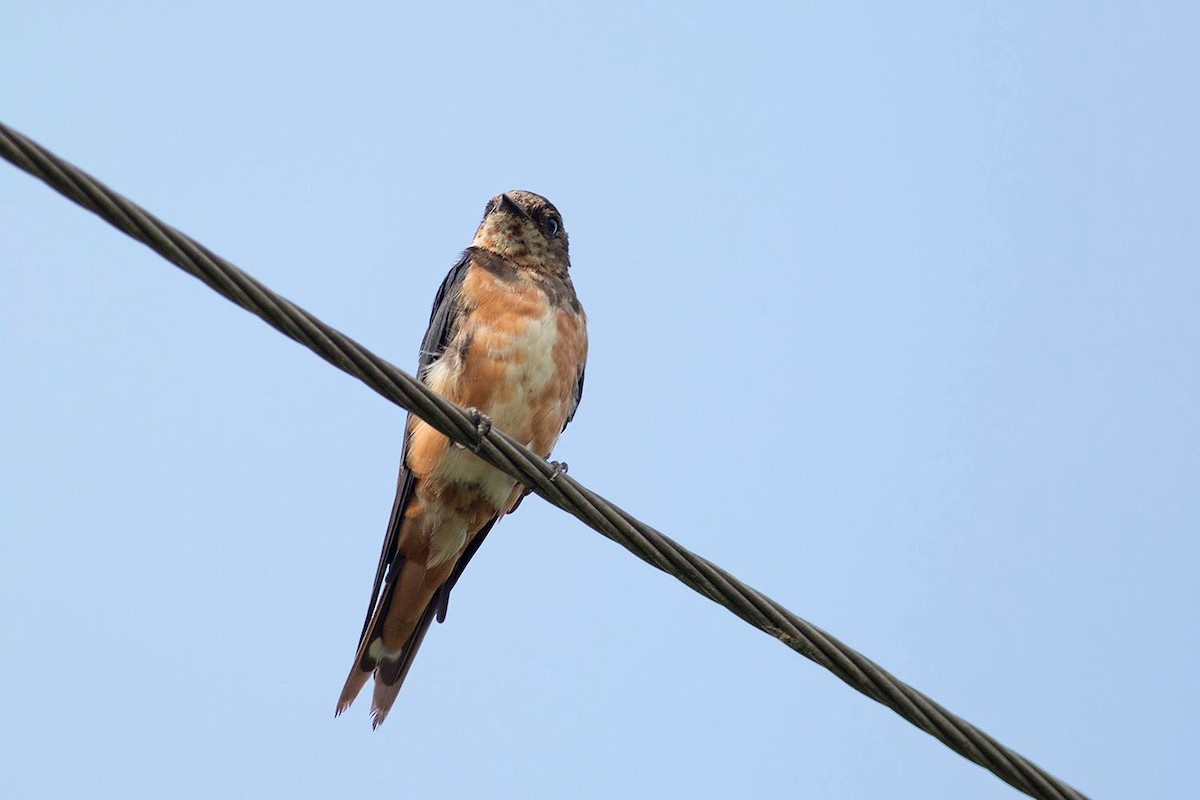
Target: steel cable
{"x":543,"y":478}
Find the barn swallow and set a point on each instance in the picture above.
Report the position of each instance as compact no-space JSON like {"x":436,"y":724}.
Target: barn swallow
{"x":508,"y":338}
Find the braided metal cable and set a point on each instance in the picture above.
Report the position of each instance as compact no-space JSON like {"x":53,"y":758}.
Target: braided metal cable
{"x":507,"y":454}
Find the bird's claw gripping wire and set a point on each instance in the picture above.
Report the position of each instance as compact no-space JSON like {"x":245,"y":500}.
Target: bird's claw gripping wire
{"x":560,"y":468}
{"x":483,"y":426}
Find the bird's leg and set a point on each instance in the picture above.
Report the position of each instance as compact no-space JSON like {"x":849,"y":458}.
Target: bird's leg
{"x":560,"y":468}
{"x":483,"y":426}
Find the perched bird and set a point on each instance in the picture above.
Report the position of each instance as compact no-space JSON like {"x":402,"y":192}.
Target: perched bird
{"x":507,"y":338}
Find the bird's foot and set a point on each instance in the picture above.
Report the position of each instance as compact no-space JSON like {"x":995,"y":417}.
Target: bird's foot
{"x":483,"y":426}
{"x":560,"y":468}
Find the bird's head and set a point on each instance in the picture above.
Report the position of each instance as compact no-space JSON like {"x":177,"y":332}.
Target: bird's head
{"x":525,"y":229}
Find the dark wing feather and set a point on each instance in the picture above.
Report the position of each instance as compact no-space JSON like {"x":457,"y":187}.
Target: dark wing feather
{"x":444,"y":314}
{"x":578,"y":398}
{"x":437,"y":335}
{"x":442,"y":598}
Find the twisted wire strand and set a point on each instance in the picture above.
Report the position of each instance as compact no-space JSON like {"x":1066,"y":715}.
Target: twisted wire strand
{"x":507,"y":454}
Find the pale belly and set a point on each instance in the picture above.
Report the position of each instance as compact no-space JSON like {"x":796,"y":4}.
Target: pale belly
{"x":506,"y":374}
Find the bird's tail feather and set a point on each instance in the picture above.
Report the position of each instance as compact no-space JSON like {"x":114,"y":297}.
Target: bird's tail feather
{"x":389,"y":669}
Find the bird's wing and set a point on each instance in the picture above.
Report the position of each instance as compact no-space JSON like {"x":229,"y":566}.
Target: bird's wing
{"x":446,"y":310}
{"x":437,"y":335}
{"x":578,"y":397}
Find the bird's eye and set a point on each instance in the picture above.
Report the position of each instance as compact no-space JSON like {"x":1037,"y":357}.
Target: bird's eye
{"x":552,"y":226}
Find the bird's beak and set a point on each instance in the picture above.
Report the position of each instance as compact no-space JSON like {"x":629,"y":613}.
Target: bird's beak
{"x":508,"y":203}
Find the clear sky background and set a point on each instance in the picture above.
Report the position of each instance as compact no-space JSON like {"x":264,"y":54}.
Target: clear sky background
{"x":895,"y":313}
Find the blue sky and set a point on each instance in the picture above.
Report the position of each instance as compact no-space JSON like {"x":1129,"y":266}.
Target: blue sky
{"x":894,"y":314}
